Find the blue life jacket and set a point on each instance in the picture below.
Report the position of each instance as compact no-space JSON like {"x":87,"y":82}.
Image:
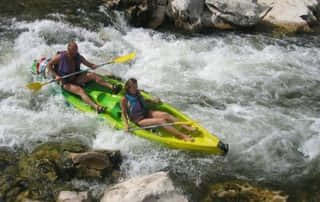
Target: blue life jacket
{"x":137,"y":108}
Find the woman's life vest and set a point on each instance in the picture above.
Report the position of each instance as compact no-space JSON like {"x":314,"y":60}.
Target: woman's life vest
{"x":137,"y":108}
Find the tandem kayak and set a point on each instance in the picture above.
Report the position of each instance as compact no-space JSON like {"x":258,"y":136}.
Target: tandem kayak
{"x":204,"y":141}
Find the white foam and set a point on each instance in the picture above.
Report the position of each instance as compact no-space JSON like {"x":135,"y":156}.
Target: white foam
{"x":249,"y":77}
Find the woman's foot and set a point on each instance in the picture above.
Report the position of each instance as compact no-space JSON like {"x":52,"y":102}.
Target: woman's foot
{"x":187,"y":138}
{"x":189,"y":128}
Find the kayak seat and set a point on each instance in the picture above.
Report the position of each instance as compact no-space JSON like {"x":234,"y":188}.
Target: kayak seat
{"x":111,"y":103}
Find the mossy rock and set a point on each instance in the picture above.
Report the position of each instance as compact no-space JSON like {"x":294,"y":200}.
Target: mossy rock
{"x":44,"y":168}
{"x":7,"y":158}
{"x":243,"y":191}
{"x":47,"y":160}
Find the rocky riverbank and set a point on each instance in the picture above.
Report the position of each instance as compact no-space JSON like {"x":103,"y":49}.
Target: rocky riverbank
{"x":289,"y":16}
{"x":51,"y":172}
{"x":51,"y":168}
{"x":276,"y":16}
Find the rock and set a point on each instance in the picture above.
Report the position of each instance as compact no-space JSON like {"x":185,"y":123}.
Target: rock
{"x":92,"y":164}
{"x":243,"y":191}
{"x":186,"y":14}
{"x":196,"y":15}
{"x":10,"y":183}
{"x":291,"y":15}
{"x":193,"y":15}
{"x":7,"y":158}
{"x":156,"y":187}
{"x":69,"y":196}
{"x":50,"y":167}
{"x":237,"y":12}
{"x":157,"y":10}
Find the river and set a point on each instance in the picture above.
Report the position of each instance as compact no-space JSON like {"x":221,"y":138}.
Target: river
{"x":256,"y":92}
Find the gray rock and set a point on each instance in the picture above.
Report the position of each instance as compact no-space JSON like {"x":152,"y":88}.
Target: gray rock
{"x":70,"y":196}
{"x":292,"y":15}
{"x":156,"y":187}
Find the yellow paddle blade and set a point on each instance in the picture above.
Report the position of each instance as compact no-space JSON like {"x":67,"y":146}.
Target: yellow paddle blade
{"x":124,"y":58}
{"x":34,"y":86}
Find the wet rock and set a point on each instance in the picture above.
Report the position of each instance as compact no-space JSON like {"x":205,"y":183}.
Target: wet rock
{"x":50,"y":169}
{"x":243,"y":191}
{"x":69,"y":196}
{"x":153,"y":188}
{"x":10,"y":183}
{"x":43,"y":169}
{"x":95,"y":163}
{"x":7,"y":158}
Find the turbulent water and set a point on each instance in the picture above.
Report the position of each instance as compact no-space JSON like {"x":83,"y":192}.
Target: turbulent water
{"x":257,"y":93}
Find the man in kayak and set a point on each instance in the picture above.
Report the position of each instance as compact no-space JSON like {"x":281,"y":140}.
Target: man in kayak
{"x":67,"y":62}
{"x":134,"y":107}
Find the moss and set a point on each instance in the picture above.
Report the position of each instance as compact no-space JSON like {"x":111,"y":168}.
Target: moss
{"x":242,"y":191}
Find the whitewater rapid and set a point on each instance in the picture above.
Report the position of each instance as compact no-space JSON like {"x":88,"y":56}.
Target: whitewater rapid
{"x":256,"y":93}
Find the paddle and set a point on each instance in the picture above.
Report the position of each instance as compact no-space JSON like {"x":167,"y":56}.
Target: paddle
{"x":35,"y":86}
{"x":161,"y":125}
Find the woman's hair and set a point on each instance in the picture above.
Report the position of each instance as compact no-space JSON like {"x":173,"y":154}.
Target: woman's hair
{"x":129,"y":83}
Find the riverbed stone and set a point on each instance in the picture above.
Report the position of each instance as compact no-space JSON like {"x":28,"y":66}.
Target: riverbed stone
{"x":95,"y":163}
{"x":156,"y":187}
{"x":243,"y":191}
{"x":50,"y":168}
{"x":70,"y":196}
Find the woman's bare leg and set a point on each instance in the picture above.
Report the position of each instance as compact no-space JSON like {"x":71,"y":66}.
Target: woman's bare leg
{"x":169,"y":118}
{"x":157,"y":121}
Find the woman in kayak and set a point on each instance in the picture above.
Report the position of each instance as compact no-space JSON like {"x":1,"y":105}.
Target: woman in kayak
{"x":134,"y":107}
{"x":67,"y":62}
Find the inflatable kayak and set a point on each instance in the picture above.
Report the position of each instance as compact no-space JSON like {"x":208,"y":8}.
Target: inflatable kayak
{"x":204,"y":141}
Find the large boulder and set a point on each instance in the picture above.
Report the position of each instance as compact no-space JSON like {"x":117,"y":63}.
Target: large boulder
{"x":186,"y":14}
{"x":196,"y":15}
{"x":291,"y":15}
{"x":237,"y":13}
{"x":156,"y":187}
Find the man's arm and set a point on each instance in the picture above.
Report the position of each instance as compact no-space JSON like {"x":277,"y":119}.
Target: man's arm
{"x":55,"y":60}
{"x":87,"y":63}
